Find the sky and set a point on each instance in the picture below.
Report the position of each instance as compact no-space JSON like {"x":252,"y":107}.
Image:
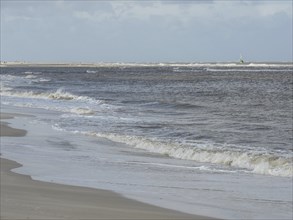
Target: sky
{"x":146,"y":31}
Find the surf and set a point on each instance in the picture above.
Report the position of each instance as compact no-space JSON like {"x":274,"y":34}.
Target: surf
{"x":252,"y":160}
{"x":59,"y":94}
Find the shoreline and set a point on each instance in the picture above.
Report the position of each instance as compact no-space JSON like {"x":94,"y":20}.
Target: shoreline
{"x":6,"y":130}
{"x":22,"y":197}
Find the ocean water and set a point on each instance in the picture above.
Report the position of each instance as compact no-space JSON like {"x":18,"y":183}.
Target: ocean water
{"x":205,"y":138}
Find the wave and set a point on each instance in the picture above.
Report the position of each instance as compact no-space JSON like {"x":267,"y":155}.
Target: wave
{"x":35,"y":79}
{"x":31,"y":76}
{"x":8,"y":78}
{"x":91,"y":71}
{"x":245,"y":70}
{"x":12,"y":80}
{"x":82,"y":111}
{"x":198,"y":64}
{"x":75,"y":110}
{"x":28,"y":72}
{"x":4,"y":88}
{"x":178,"y":70}
{"x":32,"y":73}
{"x":270,"y":64}
{"x":60,"y":94}
{"x":254,"y":161}
{"x":42,"y":80}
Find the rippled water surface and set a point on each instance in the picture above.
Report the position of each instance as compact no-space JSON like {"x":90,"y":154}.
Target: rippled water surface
{"x":239,"y":116}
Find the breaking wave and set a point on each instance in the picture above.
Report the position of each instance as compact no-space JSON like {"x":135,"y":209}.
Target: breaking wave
{"x":92,"y":71}
{"x":60,"y":94}
{"x":200,"y":64}
{"x":31,"y":72}
{"x":254,"y":161}
{"x":82,"y":111}
{"x":41,"y":80}
{"x":4,"y":88}
{"x":245,"y":70}
{"x":31,"y":77}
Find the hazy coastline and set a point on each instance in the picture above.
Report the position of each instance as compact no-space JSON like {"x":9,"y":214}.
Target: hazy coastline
{"x":106,"y":64}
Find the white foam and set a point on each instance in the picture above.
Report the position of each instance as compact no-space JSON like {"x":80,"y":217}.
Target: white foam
{"x":245,"y":70}
{"x":8,"y":78}
{"x":91,"y":71}
{"x":256,"y":162}
{"x":178,"y":64}
{"x":198,"y":64}
{"x":42,"y":80}
{"x":32,"y":73}
{"x":76,"y":111}
{"x":82,"y":111}
{"x":270,"y":65}
{"x":4,"y":88}
{"x":31,"y":77}
{"x":60,"y":94}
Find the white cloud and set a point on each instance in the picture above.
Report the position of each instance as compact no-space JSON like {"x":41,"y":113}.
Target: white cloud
{"x":123,"y":11}
{"x":12,"y":18}
{"x":272,"y":8}
{"x":207,"y":14}
{"x":93,"y":16}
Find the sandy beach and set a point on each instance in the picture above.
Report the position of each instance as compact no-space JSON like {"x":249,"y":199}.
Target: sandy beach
{"x":24,"y":198}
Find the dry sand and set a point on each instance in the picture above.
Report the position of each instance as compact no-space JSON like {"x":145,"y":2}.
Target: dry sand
{"x":24,"y":198}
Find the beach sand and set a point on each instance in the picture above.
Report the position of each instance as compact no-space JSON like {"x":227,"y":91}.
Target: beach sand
{"x":24,"y":198}
{"x":6,"y":130}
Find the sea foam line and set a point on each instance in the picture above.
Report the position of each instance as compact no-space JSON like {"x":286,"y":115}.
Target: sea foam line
{"x":245,"y":70}
{"x":256,"y":162}
{"x":59,"y":94}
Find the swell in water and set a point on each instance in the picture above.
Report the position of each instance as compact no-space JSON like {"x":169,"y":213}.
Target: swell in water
{"x":121,"y":85}
{"x":59,"y":94}
{"x":246,"y":160}
{"x":255,"y":161}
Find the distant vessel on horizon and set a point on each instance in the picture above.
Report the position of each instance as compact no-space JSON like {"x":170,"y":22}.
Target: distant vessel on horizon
{"x":241,"y":59}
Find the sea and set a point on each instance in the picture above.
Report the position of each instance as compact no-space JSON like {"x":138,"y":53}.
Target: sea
{"x":213,"y":139}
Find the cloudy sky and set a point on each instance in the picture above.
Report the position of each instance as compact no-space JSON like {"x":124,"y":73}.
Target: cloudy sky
{"x":146,"y":31}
